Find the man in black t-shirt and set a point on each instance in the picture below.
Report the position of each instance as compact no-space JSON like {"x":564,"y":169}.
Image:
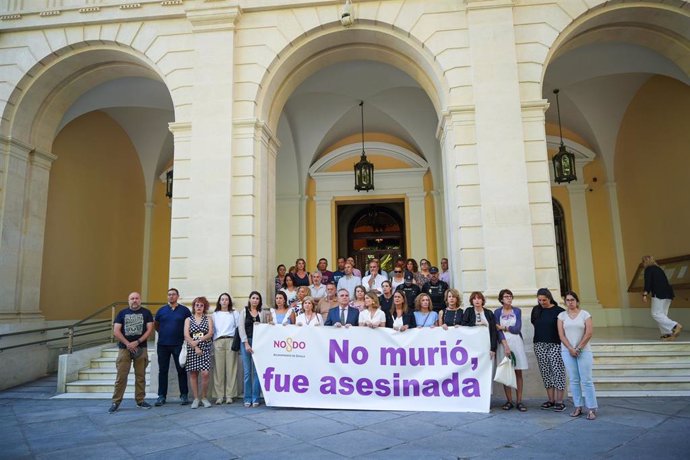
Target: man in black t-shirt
{"x":410,"y":290}
{"x":436,"y":289}
{"x":132,"y":327}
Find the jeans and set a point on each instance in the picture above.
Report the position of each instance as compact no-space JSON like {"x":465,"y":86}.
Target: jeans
{"x":252,"y":390}
{"x":225,"y":370}
{"x":580,"y":375}
{"x":164,"y":353}
{"x":123,"y":363}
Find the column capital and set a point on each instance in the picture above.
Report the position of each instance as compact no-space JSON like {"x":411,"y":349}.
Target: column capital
{"x":577,"y":189}
{"x":214,"y":16}
{"x":456,"y":115}
{"x":180,"y":129}
{"x":488,"y":4}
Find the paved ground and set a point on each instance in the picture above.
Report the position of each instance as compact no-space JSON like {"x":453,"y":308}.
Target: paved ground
{"x":34,"y":426}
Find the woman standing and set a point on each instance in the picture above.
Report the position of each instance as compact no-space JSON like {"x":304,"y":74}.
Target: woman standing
{"x":423,"y":275}
{"x":451,"y":316}
{"x":477,"y":315}
{"x":290,"y":289}
{"x":281,"y":314}
{"x":398,"y":277}
{"x":358,"y":301}
{"x":400,"y":317}
{"x":250,"y":316}
{"x":657,"y":286}
{"x":198,"y":333}
{"x":547,"y":349}
{"x":225,"y":321}
{"x":280,"y":277}
{"x":424,"y":314}
{"x":372,"y":316}
{"x":302,"y":277}
{"x":575,"y":331}
{"x":509,"y":325}
{"x":386,"y":297}
{"x":412,"y":267}
{"x":309,"y":317}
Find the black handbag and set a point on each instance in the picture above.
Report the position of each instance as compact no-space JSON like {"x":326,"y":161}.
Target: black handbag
{"x":236,"y":340}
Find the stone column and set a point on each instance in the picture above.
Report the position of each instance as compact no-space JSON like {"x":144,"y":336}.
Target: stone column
{"x":623,"y":282}
{"x":417,"y":230}
{"x":506,"y":243}
{"x":25,"y":173}
{"x":201,"y":225}
{"x":324,"y":228}
{"x":146,"y":262}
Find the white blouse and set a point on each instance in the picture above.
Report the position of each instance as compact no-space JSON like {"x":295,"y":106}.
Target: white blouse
{"x":316,"y":320}
{"x":379,"y":317}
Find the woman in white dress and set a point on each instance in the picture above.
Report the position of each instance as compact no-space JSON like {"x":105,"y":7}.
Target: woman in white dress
{"x":308,"y":316}
{"x":508,"y":325}
{"x":372,"y":316}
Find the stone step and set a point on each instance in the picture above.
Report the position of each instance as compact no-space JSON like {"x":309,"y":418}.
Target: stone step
{"x":127,"y":401}
{"x":642,"y":383}
{"x":641,"y":393}
{"x":102,"y":374}
{"x":641,"y":369}
{"x":97,"y":386}
{"x":641,"y":347}
{"x":630,"y":357}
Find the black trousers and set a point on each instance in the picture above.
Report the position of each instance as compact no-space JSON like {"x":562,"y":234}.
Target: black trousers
{"x":164,"y":354}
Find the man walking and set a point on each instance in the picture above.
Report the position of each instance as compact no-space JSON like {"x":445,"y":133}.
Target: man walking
{"x":169,"y":323}
{"x":132,"y":328}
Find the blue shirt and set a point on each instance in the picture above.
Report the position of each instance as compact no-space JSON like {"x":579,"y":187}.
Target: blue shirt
{"x":171,"y":324}
{"x":426,"y":320}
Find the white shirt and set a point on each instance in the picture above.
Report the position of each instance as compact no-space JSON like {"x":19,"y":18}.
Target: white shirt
{"x":349,"y":283}
{"x":378,"y":279}
{"x":318,"y":292}
{"x":379,"y":317}
{"x":224,"y":323}
{"x":316,"y":320}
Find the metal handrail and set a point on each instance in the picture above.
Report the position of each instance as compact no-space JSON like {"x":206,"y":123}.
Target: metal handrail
{"x":70,"y":332}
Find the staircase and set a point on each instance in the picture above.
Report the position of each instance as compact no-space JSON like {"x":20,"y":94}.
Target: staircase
{"x":98,"y":380}
{"x":642,"y":369}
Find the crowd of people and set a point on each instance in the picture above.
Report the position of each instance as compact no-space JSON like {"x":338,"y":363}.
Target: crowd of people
{"x":409,"y":296}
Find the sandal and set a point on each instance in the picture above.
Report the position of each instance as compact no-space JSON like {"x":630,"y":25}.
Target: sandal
{"x":508,"y":405}
{"x":548,"y":405}
{"x":592,"y":415}
{"x":559,"y":407}
{"x":521,"y":407}
{"x":577,"y":412}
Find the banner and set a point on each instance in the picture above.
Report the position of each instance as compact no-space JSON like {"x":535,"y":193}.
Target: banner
{"x":374,"y":369}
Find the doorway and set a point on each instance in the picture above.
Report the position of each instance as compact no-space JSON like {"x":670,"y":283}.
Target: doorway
{"x":372,"y":231}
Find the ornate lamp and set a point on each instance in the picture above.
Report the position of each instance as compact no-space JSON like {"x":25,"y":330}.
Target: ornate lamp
{"x":168,"y":183}
{"x":364,"y":171}
{"x":563,"y":161}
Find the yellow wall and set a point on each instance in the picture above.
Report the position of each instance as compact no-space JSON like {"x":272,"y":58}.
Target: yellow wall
{"x":651,"y":167}
{"x":95,"y":219}
{"x":159,"y":250}
{"x":430,"y":220}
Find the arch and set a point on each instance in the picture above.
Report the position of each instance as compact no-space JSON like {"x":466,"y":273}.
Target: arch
{"x":331,"y":43}
{"x":37,"y":103}
{"x":354,"y":150}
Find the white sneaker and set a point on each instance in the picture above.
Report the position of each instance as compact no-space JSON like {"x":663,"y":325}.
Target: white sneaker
{"x":206,"y":402}
{"x":219,"y":401}
{"x":195,"y":404}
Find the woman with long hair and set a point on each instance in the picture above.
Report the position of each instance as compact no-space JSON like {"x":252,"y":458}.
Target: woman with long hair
{"x":302,"y":276}
{"x":424,"y":313}
{"x":372,"y":316}
{"x":400,"y":318}
{"x":251,"y":314}
{"x":547,"y":349}
{"x":509,"y":326}
{"x":290,"y":289}
{"x":423,"y":275}
{"x":198,"y":333}
{"x":280,"y":277}
{"x":575,"y":330}
{"x":281,"y":312}
{"x":358,"y":301}
{"x":225,"y":321}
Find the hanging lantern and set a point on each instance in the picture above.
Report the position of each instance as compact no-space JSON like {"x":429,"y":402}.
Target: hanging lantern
{"x":364,"y":170}
{"x":563,"y":161}
{"x":169,"y":183}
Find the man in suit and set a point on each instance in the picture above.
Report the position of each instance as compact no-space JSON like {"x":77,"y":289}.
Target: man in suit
{"x":343,"y":314}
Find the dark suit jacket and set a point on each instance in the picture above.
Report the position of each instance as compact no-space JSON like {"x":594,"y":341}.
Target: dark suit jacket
{"x":469,"y":318}
{"x":334,"y":316}
{"x":408,"y":319}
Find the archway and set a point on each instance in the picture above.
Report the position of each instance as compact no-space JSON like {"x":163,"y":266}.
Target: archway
{"x":636,"y":73}
{"x":100,"y":220}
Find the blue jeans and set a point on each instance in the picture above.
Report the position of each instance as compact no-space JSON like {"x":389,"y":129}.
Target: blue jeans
{"x":252,"y":390}
{"x":164,"y":353}
{"x":580,"y":375}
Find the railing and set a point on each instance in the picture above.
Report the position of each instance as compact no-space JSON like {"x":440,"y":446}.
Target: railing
{"x":81,"y":328}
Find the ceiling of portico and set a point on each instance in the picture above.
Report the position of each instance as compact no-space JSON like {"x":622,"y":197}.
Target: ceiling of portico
{"x":604,"y":62}
{"x":324,"y":110}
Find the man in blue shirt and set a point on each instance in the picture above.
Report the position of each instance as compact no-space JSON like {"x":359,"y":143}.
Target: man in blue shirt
{"x":169,"y":323}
